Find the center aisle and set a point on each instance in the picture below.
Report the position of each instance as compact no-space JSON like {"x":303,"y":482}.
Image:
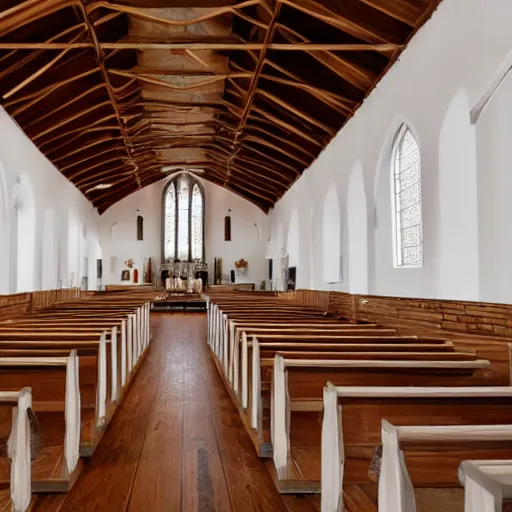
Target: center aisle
{"x":177,"y":442}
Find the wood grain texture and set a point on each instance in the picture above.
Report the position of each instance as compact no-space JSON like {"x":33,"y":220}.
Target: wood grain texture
{"x":176,"y":443}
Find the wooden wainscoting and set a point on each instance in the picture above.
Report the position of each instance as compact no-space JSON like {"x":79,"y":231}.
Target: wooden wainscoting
{"x":480,"y":326}
{"x":18,"y":304}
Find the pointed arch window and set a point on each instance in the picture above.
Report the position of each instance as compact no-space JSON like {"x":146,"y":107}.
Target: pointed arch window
{"x":183,"y":219}
{"x":406,"y":178}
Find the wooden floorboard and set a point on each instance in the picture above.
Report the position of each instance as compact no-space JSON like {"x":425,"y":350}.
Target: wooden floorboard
{"x":176,"y":443}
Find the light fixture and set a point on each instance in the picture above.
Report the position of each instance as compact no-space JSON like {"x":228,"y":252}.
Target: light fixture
{"x":101,"y":186}
{"x":177,"y":168}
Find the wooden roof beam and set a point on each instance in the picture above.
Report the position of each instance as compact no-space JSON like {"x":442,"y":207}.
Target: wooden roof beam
{"x":279,"y":149}
{"x":70,"y":119}
{"x":269,"y":34}
{"x":142,"y":13}
{"x":334,"y":100}
{"x":34,"y":55}
{"x":116,"y":148}
{"x":285,"y":47}
{"x":265,"y":175}
{"x":299,"y":113}
{"x":322,"y":13}
{"x":29,"y":11}
{"x":90,"y":128}
{"x":287,"y":126}
{"x":63,"y":106}
{"x":402,"y":10}
{"x":100,"y":58}
{"x":352,"y":73}
{"x":46,"y":91}
{"x":281,"y":140}
{"x":96,"y":142}
{"x":271,"y":158}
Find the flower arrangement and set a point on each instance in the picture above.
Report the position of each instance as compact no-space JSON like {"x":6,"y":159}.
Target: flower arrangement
{"x":241,"y":263}
{"x":129,"y":263}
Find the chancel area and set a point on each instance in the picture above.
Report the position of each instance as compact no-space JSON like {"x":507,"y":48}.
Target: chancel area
{"x":255,"y":256}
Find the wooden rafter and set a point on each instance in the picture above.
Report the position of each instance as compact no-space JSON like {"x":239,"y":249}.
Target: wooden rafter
{"x":136,"y":88}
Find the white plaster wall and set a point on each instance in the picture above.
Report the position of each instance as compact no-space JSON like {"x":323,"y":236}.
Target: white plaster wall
{"x":494,"y":187}
{"x":457,"y":260}
{"x":22,"y":165}
{"x":248,"y":232}
{"x":357,"y":227}
{"x":449,"y":54}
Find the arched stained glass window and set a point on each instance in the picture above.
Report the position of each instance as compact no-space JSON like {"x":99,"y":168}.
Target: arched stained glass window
{"x":183,"y":219}
{"x":197,"y":223}
{"x":407,"y":200}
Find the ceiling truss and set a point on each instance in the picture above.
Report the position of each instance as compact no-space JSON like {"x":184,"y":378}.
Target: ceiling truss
{"x":248,"y":91}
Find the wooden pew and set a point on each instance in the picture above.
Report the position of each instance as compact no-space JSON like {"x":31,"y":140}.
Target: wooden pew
{"x":253,"y":403}
{"x":56,"y":402}
{"x":217,"y":317}
{"x":296,"y":398}
{"x":237,"y":330}
{"x":15,"y":486}
{"x":442,"y":449}
{"x":487,"y":484}
{"x":353,"y":337}
{"x":107,"y":360}
{"x":351,"y":427}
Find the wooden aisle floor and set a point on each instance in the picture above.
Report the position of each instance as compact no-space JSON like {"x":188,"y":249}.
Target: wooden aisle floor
{"x":176,"y":442}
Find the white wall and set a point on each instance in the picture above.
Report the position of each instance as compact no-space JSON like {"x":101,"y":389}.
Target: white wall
{"x":445,"y":71}
{"x":494,"y":186}
{"x":25,"y":172}
{"x":248,"y":232}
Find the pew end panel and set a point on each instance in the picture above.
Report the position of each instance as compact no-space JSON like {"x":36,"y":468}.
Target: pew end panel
{"x":364,"y":408}
{"x":15,"y":450}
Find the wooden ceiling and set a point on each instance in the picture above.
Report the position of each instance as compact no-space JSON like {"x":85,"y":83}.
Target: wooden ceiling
{"x":250,"y":91}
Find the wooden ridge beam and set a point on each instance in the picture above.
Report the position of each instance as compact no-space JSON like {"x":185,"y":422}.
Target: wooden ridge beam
{"x":285,"y":47}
